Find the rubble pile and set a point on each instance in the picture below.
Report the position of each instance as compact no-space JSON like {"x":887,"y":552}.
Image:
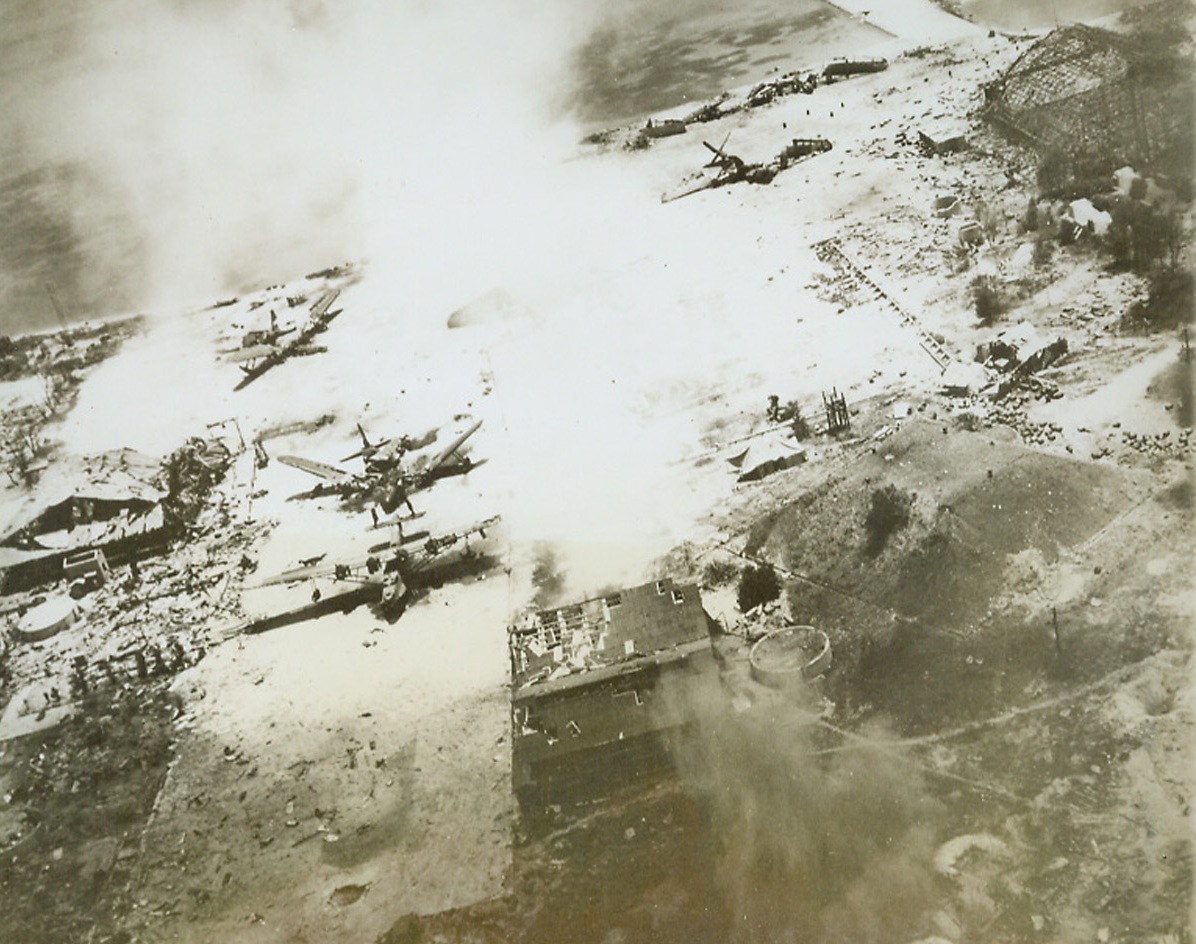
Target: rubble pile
{"x":90,"y":712}
{"x":61,"y":361}
{"x":763,"y":619}
{"x":1010,"y":408}
{"x":189,"y":475}
{"x":1162,"y":445}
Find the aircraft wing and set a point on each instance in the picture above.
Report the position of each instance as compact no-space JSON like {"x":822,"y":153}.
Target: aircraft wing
{"x":320,"y":469}
{"x":434,"y":546}
{"x":447,"y":452}
{"x":296,"y":574}
{"x":351,"y":570}
{"x":251,"y":353}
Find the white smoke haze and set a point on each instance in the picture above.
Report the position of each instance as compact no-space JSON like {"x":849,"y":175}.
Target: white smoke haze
{"x":221,"y":146}
{"x":225,"y":145}
{"x":245,"y":141}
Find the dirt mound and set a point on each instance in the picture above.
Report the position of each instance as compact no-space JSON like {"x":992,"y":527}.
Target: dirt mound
{"x":975,"y":501}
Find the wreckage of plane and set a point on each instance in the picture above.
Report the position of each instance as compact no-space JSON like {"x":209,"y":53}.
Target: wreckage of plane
{"x":389,"y":577}
{"x":256,"y":359}
{"x":388,"y":479}
{"x":732,"y":169}
{"x":386,"y":453}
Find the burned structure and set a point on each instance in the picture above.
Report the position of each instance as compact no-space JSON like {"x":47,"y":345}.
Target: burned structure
{"x":1088,"y":98}
{"x":588,"y":711}
{"x":114,"y":516}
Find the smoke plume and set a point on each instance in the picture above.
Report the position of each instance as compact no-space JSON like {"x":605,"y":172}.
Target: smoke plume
{"x":834,"y":847}
{"x":208,"y":147}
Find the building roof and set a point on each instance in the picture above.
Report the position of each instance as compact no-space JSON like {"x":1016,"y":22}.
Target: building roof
{"x":604,"y":631}
{"x":1065,"y":62}
{"x":121,"y":477}
{"x":1091,"y":93}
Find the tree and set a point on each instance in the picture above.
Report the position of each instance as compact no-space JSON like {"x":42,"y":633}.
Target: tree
{"x":889,"y":513}
{"x":986,"y":297}
{"x":719,"y":573}
{"x":1044,"y":249}
{"x":757,"y":585}
{"x":1030,"y":219}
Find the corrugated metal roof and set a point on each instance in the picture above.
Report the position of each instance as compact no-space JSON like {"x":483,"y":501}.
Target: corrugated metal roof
{"x":604,"y":631}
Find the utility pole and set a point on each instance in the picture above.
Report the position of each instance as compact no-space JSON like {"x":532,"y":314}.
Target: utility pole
{"x":1055,"y":625}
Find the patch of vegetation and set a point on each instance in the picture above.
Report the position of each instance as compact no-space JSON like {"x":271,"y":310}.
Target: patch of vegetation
{"x":888,"y":514}
{"x":1030,"y":217}
{"x":969,"y":421}
{"x":1170,"y":303}
{"x":757,"y":585}
{"x":1142,"y":238}
{"x":1044,"y":250}
{"x":986,"y":297}
{"x":719,"y":572}
{"x":1063,"y":176}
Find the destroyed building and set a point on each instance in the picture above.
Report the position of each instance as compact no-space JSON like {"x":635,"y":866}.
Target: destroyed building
{"x":115,"y":509}
{"x":1088,"y":97}
{"x":588,"y":709}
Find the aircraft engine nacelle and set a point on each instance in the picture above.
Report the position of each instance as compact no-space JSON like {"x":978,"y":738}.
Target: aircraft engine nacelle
{"x":392,"y":495}
{"x":393,"y":589}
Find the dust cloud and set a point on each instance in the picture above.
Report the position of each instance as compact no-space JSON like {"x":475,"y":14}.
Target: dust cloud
{"x":832,"y":847}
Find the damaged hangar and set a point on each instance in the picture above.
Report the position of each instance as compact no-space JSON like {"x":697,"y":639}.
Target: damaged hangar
{"x":1088,"y":96}
{"x":588,"y":711}
{"x":114,"y":507}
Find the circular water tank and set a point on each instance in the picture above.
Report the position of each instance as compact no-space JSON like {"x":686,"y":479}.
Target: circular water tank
{"x":791,"y":655}
{"x":48,"y":618}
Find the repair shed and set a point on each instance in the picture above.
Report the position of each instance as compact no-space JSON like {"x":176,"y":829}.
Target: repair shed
{"x":766,"y":456}
{"x":942,"y":140}
{"x":587,"y":710}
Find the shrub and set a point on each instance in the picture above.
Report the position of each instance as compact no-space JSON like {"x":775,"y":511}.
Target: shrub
{"x":799,"y":424}
{"x":1044,"y":249}
{"x":889,"y":513}
{"x":719,"y":573}
{"x":1030,"y":219}
{"x":986,"y":296}
{"x":1170,"y":303}
{"x":757,"y":585}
